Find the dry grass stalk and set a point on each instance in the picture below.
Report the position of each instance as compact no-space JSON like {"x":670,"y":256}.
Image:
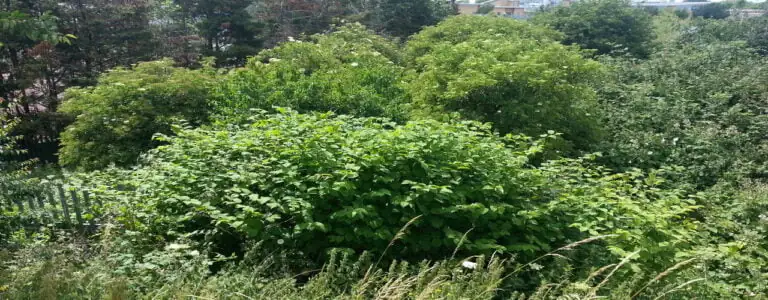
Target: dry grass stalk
{"x":593,"y":292}
{"x":396,"y":288}
{"x":662,"y":275}
{"x":598,"y":272}
{"x":461,"y":242}
{"x":564,"y":248}
{"x":677,"y":288}
{"x":400,"y":234}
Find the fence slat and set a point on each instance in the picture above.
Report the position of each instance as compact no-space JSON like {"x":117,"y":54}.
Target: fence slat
{"x":90,"y":207}
{"x":52,"y":201}
{"x":86,"y":199}
{"x":64,"y":207}
{"x":76,"y":206}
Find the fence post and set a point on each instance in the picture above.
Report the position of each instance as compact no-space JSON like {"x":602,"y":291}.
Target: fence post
{"x":76,"y":205}
{"x":52,"y":201}
{"x":64,"y":207}
{"x":86,"y":199}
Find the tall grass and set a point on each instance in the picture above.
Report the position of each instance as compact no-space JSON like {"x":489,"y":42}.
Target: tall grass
{"x":73,"y":270}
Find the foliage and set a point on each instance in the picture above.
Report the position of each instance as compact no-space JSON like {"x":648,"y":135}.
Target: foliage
{"x":675,"y":207}
{"x":698,"y":106}
{"x":712,"y":11}
{"x":603,"y":25}
{"x":314,"y":182}
{"x":350,"y":71}
{"x":507,"y":72}
{"x":17,"y":25}
{"x":735,"y":227}
{"x":115,"y":120}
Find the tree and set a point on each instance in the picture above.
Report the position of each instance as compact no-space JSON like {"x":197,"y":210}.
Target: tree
{"x":116,"y":119}
{"x":25,"y":42}
{"x":228,"y":31}
{"x":485,"y":8}
{"x":294,"y":18}
{"x":603,"y":25}
{"x":511,"y":73}
{"x":31,"y":74}
{"x":402,"y":18}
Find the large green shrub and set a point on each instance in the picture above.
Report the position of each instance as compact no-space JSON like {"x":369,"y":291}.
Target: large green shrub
{"x":313,"y":182}
{"x":510,"y":73}
{"x":603,"y":25}
{"x":699,"y":106}
{"x":116,"y":119}
{"x":349,"y":71}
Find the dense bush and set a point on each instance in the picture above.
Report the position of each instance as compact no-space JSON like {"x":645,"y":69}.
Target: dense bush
{"x":603,"y":25}
{"x":510,"y":73}
{"x":699,"y":106}
{"x":314,"y":182}
{"x":238,"y":208}
{"x":116,"y":119}
{"x":735,"y":228}
{"x":350,"y":71}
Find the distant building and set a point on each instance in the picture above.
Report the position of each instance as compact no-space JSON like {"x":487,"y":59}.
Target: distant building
{"x":747,"y":13}
{"x":507,"y":8}
{"x":688,"y":6}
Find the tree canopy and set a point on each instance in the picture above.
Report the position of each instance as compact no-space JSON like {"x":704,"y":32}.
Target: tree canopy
{"x":604,"y":25}
{"x":513,"y":74}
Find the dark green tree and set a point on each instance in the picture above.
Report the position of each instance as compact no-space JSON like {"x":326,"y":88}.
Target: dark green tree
{"x":603,"y":25}
{"x":31,"y":75}
{"x":285,"y":19}
{"x":712,"y":11}
{"x":228,"y":31}
{"x":402,"y":18}
{"x":110,"y":34}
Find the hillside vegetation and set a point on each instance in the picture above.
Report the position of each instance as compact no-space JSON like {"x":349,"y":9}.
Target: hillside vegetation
{"x":595,"y":151}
